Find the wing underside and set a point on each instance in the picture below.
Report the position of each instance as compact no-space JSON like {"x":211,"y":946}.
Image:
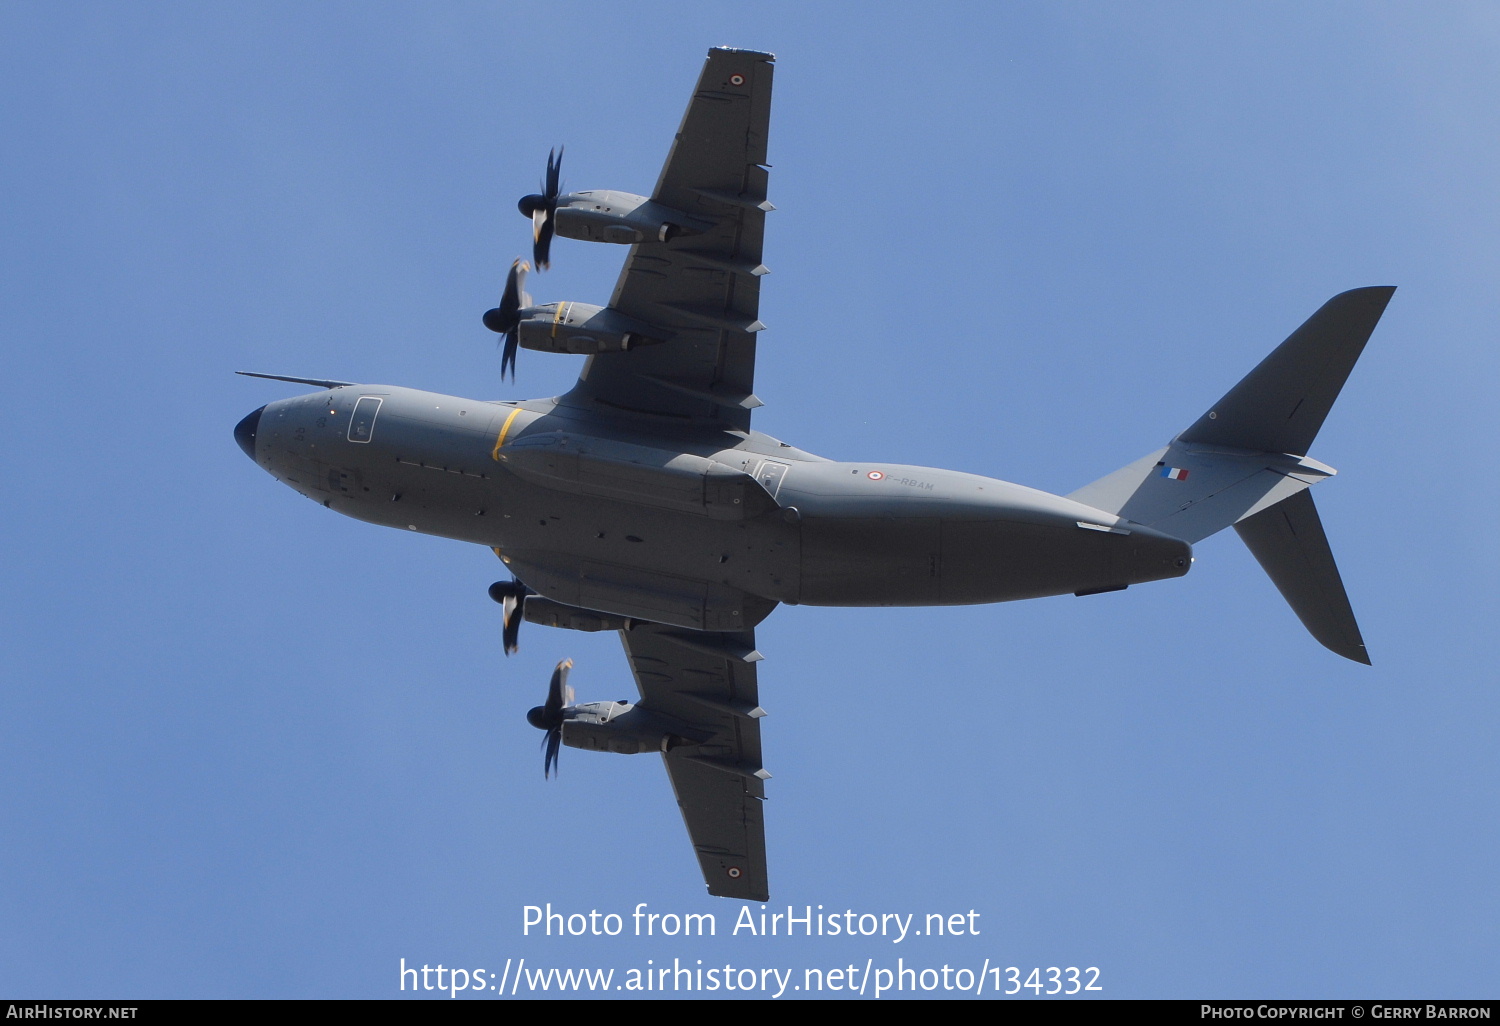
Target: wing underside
{"x":706,"y":681}
{"x":699,"y":290}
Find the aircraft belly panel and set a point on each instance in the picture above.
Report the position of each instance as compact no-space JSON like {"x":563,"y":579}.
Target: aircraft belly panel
{"x":912,"y":561}
{"x":997,"y":560}
{"x":879,"y":561}
{"x":757,"y":557}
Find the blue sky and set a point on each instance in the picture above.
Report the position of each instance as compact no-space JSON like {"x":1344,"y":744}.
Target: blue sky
{"x":256,"y":749}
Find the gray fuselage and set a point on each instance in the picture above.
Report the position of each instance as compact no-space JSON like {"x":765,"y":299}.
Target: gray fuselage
{"x":701,"y":527}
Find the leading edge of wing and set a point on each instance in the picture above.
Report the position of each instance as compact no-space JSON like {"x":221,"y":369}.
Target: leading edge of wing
{"x":705,"y":683}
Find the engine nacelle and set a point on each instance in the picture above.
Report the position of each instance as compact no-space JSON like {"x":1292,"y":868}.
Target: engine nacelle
{"x":603,"y":215}
{"x":621,"y":728}
{"x":582,"y":328}
{"x":555,"y":614}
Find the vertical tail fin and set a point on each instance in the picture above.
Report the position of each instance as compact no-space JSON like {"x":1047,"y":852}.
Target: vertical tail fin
{"x":1243,"y":463}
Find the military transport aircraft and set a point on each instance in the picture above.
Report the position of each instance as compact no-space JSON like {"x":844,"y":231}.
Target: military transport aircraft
{"x":642,"y":502}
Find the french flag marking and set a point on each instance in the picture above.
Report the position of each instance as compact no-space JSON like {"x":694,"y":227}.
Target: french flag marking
{"x":1174,"y":473}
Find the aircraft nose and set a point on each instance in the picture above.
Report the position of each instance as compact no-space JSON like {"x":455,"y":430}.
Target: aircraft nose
{"x":244,"y":432}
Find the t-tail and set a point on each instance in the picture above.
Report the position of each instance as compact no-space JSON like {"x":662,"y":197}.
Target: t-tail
{"x":1244,"y":464}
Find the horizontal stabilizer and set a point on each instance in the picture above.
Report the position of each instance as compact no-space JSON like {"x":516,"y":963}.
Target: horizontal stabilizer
{"x":1281,"y":404}
{"x":1288,"y":542}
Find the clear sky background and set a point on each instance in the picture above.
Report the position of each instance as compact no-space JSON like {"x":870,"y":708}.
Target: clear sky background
{"x":253,"y":748}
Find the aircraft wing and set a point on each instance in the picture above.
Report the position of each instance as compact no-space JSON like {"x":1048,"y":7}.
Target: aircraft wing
{"x":706,"y":680}
{"x":700,"y":290}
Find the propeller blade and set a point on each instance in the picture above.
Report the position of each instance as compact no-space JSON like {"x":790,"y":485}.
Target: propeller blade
{"x":505,"y":319}
{"x":541,"y":235}
{"x":510,"y":299}
{"x":508,"y":355}
{"x":512,"y":598}
{"x":511,"y":632}
{"x":507,"y":315}
{"x":551,"y":716}
{"x":558,"y":692}
{"x":554,"y":175}
{"x":541,"y":208}
{"x":554,"y":745}
{"x":544,"y":214}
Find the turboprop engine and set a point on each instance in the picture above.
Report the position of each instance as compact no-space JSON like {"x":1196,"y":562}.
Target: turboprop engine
{"x":597,"y":215}
{"x":618,"y":727}
{"x":581,"y":328}
{"x":604,"y":215}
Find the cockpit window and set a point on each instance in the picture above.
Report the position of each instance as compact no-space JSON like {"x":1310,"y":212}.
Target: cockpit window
{"x":362,"y":424}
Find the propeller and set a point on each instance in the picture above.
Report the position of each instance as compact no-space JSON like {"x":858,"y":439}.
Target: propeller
{"x":542,"y":209}
{"x":505,"y":319}
{"x":550,"y":717}
{"x":512,"y":596}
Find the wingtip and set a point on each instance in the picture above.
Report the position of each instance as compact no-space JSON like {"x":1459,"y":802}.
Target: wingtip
{"x":1382,"y":293}
{"x":761,"y":54}
{"x":1353,"y":650}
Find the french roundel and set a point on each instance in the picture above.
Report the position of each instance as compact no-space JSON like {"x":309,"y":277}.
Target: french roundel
{"x":875,"y":475}
{"x":737,"y":80}
{"x":734,"y":872}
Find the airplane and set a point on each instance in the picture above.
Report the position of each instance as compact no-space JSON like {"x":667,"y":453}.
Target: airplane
{"x":643,"y":502}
